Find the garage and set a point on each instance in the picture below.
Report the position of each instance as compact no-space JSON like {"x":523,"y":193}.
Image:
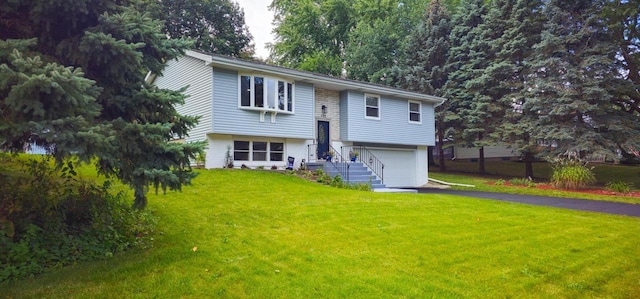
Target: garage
{"x":400,"y":166}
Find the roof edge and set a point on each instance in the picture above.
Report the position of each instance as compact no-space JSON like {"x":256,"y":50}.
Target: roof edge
{"x":240,"y":64}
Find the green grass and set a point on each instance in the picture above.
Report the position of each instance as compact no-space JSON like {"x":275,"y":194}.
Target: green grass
{"x":267,"y":235}
{"x":486,"y":184}
{"x":542,"y":171}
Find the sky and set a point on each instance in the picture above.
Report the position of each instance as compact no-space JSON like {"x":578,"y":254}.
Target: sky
{"x":258,"y":18}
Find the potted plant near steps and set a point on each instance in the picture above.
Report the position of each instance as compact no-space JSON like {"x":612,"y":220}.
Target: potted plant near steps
{"x":354,"y":155}
{"x":330,"y":155}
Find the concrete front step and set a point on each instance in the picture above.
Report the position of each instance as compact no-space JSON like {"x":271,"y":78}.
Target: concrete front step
{"x":358,"y":173}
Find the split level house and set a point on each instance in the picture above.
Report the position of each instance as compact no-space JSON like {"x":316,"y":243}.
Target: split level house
{"x":261,"y":115}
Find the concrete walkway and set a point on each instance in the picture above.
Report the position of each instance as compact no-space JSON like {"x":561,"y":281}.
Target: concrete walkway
{"x":615,"y":208}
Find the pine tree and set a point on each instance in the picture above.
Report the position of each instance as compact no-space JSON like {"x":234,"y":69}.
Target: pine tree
{"x":511,"y":68}
{"x":461,"y":67}
{"x":73,"y":80}
{"x":484,"y":112}
{"x":422,"y":69}
{"x":573,"y":102}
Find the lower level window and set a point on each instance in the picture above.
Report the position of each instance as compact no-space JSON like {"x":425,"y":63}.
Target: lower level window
{"x":258,"y":151}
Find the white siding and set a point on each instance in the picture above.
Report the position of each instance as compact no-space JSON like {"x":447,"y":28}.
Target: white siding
{"x":218,"y":143}
{"x":489,"y":152}
{"x":192,"y":72}
{"x":402,"y":167}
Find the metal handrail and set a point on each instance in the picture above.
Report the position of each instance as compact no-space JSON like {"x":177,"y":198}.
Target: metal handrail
{"x":367,"y":158}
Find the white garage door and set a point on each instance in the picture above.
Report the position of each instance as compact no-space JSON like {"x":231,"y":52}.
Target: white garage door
{"x":399,"y":166}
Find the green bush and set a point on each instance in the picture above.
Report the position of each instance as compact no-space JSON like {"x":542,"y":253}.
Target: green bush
{"x":619,"y":186}
{"x":519,"y":182}
{"x":49,"y":219}
{"x":571,"y":174}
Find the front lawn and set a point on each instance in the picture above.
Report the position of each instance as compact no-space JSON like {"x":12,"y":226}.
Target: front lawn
{"x":259,"y":234}
{"x":542,"y":170}
{"x":489,"y":184}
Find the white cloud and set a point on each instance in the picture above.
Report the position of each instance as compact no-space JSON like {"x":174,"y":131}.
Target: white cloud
{"x":258,"y":18}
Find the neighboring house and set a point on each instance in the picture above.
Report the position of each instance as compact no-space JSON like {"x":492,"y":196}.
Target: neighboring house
{"x":262,"y":114}
{"x":490,"y":152}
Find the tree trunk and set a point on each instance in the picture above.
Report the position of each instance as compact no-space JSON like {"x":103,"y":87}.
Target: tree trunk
{"x":140,"y":200}
{"x":528,"y":164}
{"x":481,"y":161}
{"x":440,"y":144}
{"x":481,"y":156}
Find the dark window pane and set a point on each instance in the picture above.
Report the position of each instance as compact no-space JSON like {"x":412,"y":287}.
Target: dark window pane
{"x":289,"y":97}
{"x":372,"y":101}
{"x":241,"y":145}
{"x":414,"y":107}
{"x":277,"y":146}
{"x":241,"y":156}
{"x":372,"y":112}
{"x":414,"y":117}
{"x":259,"y":146}
{"x":276,"y":156}
{"x":280,"y":95}
{"x":259,"y":156}
{"x":258,"y":83}
{"x":245,"y":91}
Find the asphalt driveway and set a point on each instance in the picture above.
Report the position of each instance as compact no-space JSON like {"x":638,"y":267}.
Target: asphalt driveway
{"x":615,"y":208}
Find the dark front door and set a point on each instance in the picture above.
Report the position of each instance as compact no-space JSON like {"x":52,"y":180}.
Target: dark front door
{"x":323,"y":139}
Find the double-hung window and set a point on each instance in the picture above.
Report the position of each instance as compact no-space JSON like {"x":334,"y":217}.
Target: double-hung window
{"x":415,"y":112}
{"x":258,"y":151}
{"x":266,"y":93}
{"x":372,"y":106}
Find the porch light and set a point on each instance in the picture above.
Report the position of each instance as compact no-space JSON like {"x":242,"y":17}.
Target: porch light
{"x":324,"y":111}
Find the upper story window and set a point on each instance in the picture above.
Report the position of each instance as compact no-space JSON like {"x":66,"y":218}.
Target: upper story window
{"x":372,"y":106}
{"x":265,"y":93}
{"x":415,"y":109}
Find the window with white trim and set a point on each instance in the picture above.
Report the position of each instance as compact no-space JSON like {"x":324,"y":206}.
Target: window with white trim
{"x":258,"y":151}
{"x":372,"y":106}
{"x":265,"y":93}
{"x":415,"y":112}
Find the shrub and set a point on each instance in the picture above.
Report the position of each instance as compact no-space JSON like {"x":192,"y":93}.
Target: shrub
{"x":499,"y":182}
{"x":619,"y":186}
{"x":519,"y":182}
{"x":49,"y":219}
{"x":571,"y":173}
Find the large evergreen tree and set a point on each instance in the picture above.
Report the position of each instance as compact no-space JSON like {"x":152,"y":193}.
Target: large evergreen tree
{"x":573,"y":103}
{"x":462,"y":64}
{"x":422,"y":69}
{"x":72,"y":79}
{"x":511,"y":68}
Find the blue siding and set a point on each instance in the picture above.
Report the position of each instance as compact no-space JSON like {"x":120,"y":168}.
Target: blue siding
{"x":393,"y":127}
{"x":344,"y":115}
{"x":229,"y":119}
{"x":192,"y":72}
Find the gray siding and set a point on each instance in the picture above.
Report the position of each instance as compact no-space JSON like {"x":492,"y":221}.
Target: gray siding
{"x":194,"y":73}
{"x":228,"y":118}
{"x":393,"y":126}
